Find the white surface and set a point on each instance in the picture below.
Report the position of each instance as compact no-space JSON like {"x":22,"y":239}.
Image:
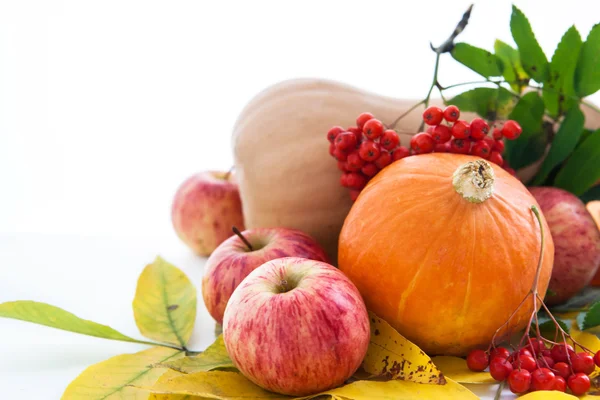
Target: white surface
{"x":105,"y":107}
{"x":91,"y":276}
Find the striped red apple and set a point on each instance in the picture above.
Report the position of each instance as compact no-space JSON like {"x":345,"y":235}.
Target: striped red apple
{"x":205,"y":208}
{"x":296,"y":326}
{"x":239,"y":255}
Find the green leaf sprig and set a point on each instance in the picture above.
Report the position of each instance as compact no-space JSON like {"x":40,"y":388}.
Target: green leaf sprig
{"x":545,"y":97}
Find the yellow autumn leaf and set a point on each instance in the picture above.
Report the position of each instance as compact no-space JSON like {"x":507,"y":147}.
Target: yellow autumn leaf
{"x":392,"y":356}
{"x":395,"y":389}
{"x":215,"y":356}
{"x":221,"y":385}
{"x":212,"y":385}
{"x":111,"y":379}
{"x":566,"y":316}
{"x":548,"y":395}
{"x":593,"y":394}
{"x":164,"y":377}
{"x":456,"y":369}
{"x":165,"y":304}
{"x":586,"y":339}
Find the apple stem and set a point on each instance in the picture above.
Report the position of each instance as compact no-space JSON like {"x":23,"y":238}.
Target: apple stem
{"x":283,"y":286}
{"x":246,"y":242}
{"x":228,"y":173}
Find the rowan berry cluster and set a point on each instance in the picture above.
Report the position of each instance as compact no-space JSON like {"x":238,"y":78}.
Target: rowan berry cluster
{"x":363,"y":150}
{"x":540,"y":365}
{"x":476,"y":138}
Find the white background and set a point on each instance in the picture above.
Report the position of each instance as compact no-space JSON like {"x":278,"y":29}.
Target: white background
{"x":105,"y":107}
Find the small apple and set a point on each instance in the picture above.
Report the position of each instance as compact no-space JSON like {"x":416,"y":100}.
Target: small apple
{"x":239,"y":255}
{"x":576,"y":242}
{"x":296,"y":327}
{"x":205,"y":208}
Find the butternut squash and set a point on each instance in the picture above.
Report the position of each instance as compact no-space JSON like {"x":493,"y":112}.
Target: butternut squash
{"x":286,"y":175}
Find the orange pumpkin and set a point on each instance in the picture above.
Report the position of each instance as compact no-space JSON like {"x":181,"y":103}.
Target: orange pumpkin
{"x":444,"y":247}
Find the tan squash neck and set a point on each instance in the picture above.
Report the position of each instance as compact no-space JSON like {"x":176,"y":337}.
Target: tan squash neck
{"x":474,"y":181}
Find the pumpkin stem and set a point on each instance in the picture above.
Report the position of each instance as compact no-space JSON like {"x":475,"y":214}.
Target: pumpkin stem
{"x":474,"y":181}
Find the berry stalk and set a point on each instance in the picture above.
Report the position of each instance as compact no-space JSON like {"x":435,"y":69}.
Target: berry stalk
{"x":538,"y":363}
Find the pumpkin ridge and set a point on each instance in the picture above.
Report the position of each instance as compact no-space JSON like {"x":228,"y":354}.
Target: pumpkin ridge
{"x":467,"y":295}
{"x":412,"y":284}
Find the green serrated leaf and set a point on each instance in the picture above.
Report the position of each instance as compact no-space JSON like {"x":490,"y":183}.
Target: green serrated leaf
{"x":548,"y":329}
{"x":563,"y":144}
{"x":587,"y":74}
{"x":512,"y":70}
{"x":164,"y":306}
{"x":579,"y":319}
{"x":588,"y":295}
{"x":582,"y":169}
{"x":531,"y":54}
{"x":490,"y":103}
{"x":584,"y":135}
{"x":479,"y":60}
{"x":589,"y":318}
{"x":558,"y":88}
{"x":55,"y":317}
{"x":547,"y":326}
{"x":530,"y":146}
{"x":214,"y":357}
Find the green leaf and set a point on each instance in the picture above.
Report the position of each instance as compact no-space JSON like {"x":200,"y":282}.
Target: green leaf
{"x":589,"y":318}
{"x":547,"y":326}
{"x":489,"y":103}
{"x":479,"y":60}
{"x":587,"y":74}
{"x":530,"y":146}
{"x":582,"y":169}
{"x":584,"y":135}
{"x":214,"y":357}
{"x":54,"y":317}
{"x":113,"y":379}
{"x":532,"y":56}
{"x":558,"y":88}
{"x":165,"y":303}
{"x":512,"y":71}
{"x":563,"y":144}
{"x":591,"y":195}
{"x":588,"y":295}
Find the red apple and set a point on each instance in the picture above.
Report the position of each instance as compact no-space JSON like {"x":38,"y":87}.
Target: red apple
{"x":205,"y":208}
{"x":296,"y":327}
{"x":233,"y":261}
{"x":576,"y":242}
